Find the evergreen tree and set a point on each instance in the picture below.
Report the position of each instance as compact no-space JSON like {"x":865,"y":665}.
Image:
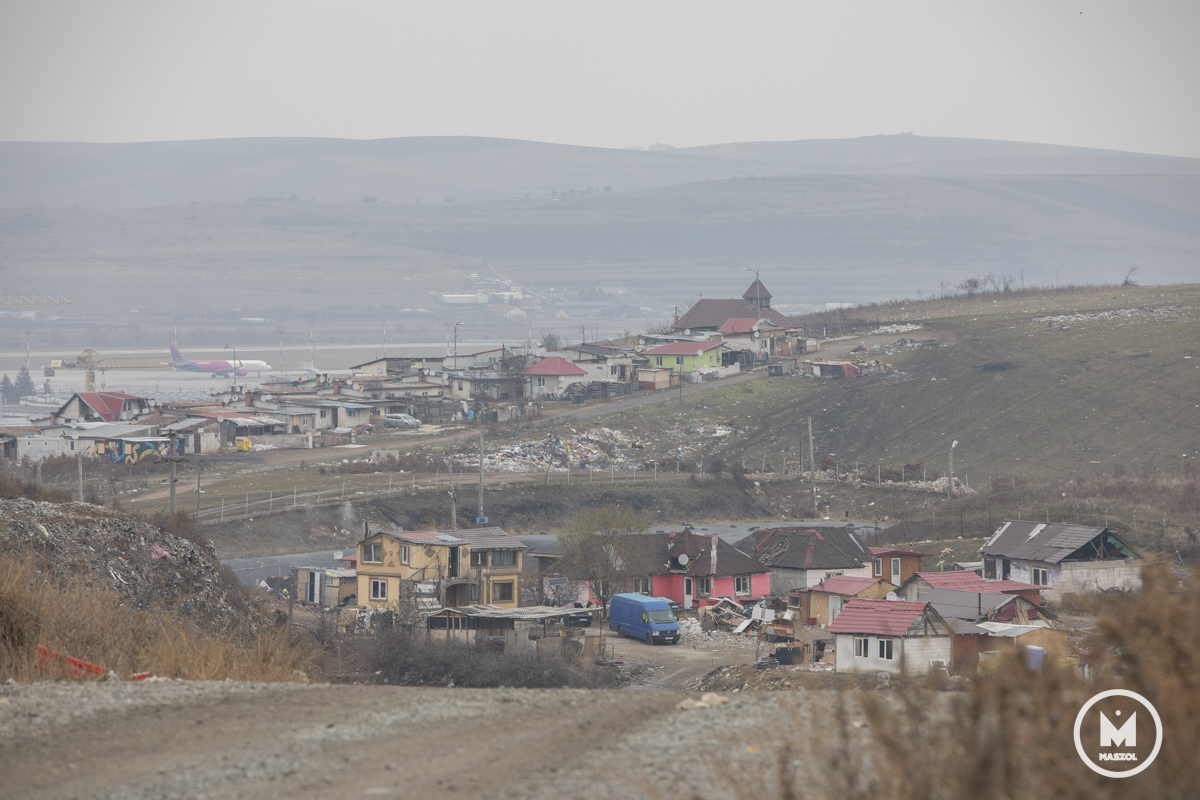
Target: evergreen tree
{"x":24,"y":384}
{"x":7,"y":391}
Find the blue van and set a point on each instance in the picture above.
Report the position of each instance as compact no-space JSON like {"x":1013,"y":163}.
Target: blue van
{"x":643,"y":617}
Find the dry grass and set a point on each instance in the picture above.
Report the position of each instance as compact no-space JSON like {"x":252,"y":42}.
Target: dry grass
{"x":1007,"y":736}
{"x":90,"y":624}
{"x":13,"y":486}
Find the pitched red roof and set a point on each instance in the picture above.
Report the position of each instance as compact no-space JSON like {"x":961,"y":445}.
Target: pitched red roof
{"x":967,"y":581}
{"x":738,"y":325}
{"x":844,"y":584}
{"x":107,"y":404}
{"x":554,"y":365}
{"x":682,"y":348}
{"x":879,"y":617}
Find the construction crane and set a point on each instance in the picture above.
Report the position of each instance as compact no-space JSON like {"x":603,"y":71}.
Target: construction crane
{"x":33,"y":300}
{"x":91,"y":361}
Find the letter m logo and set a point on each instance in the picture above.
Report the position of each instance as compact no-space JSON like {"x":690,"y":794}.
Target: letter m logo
{"x":1124,"y":736}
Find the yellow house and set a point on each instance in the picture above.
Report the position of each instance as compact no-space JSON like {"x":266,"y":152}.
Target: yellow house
{"x":398,"y":565}
{"x":496,"y":563}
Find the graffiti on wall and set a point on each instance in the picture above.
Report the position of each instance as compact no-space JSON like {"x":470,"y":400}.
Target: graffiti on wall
{"x":119,"y":451}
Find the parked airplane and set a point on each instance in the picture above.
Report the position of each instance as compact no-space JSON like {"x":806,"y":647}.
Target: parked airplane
{"x":218,"y":368}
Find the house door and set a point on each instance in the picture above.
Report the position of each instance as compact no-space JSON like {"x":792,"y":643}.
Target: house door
{"x":688,"y":592}
{"x":895,"y":572}
{"x":835,"y":607}
{"x":454,"y":556}
{"x":312,"y":586}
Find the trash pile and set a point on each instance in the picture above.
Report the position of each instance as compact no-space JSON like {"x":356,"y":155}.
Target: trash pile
{"x":1121,"y":313}
{"x":147,"y":568}
{"x":899,"y":328}
{"x":598,"y":448}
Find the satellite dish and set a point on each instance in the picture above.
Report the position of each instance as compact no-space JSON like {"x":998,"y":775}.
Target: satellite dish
{"x":699,"y":353}
{"x":220,"y":418}
{"x":683,"y":559}
{"x":892,"y":596}
{"x":687,"y":332}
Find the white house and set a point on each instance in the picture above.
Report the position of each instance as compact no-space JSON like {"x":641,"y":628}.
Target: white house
{"x":551,"y":377}
{"x":893,"y":636}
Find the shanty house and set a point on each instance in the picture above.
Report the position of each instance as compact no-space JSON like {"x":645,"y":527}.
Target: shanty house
{"x":551,"y":376}
{"x":982,"y":606}
{"x":1061,"y":557}
{"x":919,"y":584}
{"x":802,"y":557}
{"x":897,"y":637}
{"x":1054,"y":643}
{"x":896,"y":566}
{"x":821,"y":604}
{"x":392,"y":563}
{"x":698,"y":569}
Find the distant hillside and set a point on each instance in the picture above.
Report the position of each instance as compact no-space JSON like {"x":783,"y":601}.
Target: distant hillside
{"x":473,"y":169}
{"x":905,"y":154}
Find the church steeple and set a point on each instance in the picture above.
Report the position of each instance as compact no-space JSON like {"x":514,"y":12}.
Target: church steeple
{"x":756,"y":298}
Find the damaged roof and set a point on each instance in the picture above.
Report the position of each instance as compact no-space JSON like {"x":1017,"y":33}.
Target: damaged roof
{"x":492,"y":538}
{"x":806,"y":548}
{"x":698,"y":548}
{"x":1056,"y":541}
{"x":968,"y":605}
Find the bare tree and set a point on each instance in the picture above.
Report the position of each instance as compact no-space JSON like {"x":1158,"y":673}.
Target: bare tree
{"x":1129,"y":281}
{"x":606,"y":547}
{"x":551,"y":342}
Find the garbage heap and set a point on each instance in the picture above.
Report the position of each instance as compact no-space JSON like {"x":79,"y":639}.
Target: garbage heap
{"x":145,"y":567}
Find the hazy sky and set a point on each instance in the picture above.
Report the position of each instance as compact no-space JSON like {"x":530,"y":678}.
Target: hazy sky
{"x":1119,"y":75}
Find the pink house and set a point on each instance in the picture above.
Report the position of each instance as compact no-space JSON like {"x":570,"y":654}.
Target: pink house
{"x":699,"y":569}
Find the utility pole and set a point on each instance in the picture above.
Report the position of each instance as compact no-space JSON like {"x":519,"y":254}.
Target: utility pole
{"x":453,"y":498}
{"x":79,"y":460}
{"x":480,"y":514}
{"x":174,"y":460}
{"x":950,"y":482}
{"x":280,"y":329}
{"x":197,"y":494}
{"x":812,"y":466}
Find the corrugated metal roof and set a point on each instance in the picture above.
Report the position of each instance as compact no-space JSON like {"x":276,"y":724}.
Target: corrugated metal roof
{"x":967,"y":605}
{"x":527,"y":613}
{"x":1008,"y":629}
{"x":960,"y":627}
{"x":879,"y":617}
{"x":966,"y":581}
{"x":424,"y":537}
{"x":887,"y":551}
{"x":682,"y":348}
{"x":1029,"y":540}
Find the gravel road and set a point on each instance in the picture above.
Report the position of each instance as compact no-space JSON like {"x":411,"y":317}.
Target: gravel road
{"x":178,"y":739}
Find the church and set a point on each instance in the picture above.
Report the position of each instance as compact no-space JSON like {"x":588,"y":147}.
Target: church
{"x":711,"y":315}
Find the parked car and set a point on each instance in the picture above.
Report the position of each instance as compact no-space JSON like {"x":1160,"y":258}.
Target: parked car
{"x":643,"y":617}
{"x":582,"y":619}
{"x":401,"y":421}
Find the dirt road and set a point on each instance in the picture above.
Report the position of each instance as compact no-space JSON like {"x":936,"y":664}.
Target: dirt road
{"x":175,"y":739}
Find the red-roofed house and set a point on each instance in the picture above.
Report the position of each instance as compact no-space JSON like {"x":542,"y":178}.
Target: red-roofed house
{"x":920,"y":584}
{"x":551,"y":376}
{"x":101,"y":407}
{"x":821,"y":604}
{"x":896,"y":566}
{"x":890,"y":636}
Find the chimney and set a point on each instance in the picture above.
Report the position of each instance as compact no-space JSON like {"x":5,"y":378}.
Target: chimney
{"x":713,"y":555}
{"x":249,"y":402}
{"x":336,"y":387}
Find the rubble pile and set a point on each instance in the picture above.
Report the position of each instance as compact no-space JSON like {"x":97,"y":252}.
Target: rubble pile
{"x":1060,"y":320}
{"x":898,"y":328}
{"x":776,"y":678}
{"x":146,"y":567}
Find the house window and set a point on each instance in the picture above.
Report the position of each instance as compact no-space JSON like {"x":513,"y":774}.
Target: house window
{"x":1039,"y":577}
{"x":741,"y":584}
{"x":372,"y":554}
{"x":639,"y":585}
{"x":879,"y":567}
{"x":460,"y":386}
{"x":403,"y":554}
{"x":896,"y":568}
{"x":541,"y":381}
{"x":704,"y":586}
{"x":658,"y":361}
{"x":379,"y":590}
{"x":504,"y":558}
{"x":829,"y":575}
{"x":679,"y":361}
{"x":502,"y":592}
{"x":474,"y":592}
{"x":323,"y":412}
{"x":885,"y":649}
{"x":612,"y":370}
{"x":989,"y":568}
{"x":861,"y":649}
{"x":478,"y":558}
